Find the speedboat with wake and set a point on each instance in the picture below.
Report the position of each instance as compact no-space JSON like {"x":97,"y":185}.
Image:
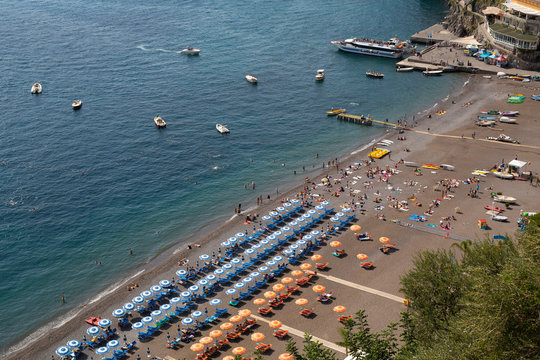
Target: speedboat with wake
{"x":190,"y":51}
{"x":36,"y":88}
{"x":222,"y":129}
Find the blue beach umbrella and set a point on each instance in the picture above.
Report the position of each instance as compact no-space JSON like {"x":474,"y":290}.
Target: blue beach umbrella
{"x":137,"y":325}
{"x":277,"y":258}
{"x":204,"y":257}
{"x":137,"y":300}
{"x":247,"y":280}
{"x":280,"y":209}
{"x":118,"y":313}
{"x":300,"y":221}
{"x":250,"y":252}
{"x":156,"y":313}
{"x":277,"y":234}
{"x":263,"y":269}
{"x":301,"y":242}
{"x":215,"y":302}
{"x":226,"y":244}
{"x":294,"y":201}
{"x":147,"y":319}
{"x":202,"y":282}
{"x":240,"y":235}
{"x":266,"y":218}
{"x":312,"y":212}
{"x":236,"y":261}
{"x":273,"y":214}
{"x":102,"y":350}
{"x":346,"y":210}
{"x":325,"y":203}
{"x":287,"y":205}
{"x":294,"y":247}
{"x":211,"y":278}
{"x":147,"y":294}
{"x":185,"y":294}
{"x":165,"y":307}
{"x":239,"y":285}
{"x":129,"y":306}
{"x":264,"y":242}
{"x":256,"y":247}
{"x":181,"y":273}
{"x":193,"y":288}
{"x":232,"y":240}
{"x":314,"y":233}
{"x":227,"y":267}
{"x":334,"y":219}
{"x":340,"y":215}
{"x":62,"y":351}
{"x":306,"y":238}
{"x":196,"y":314}
{"x":175,"y":300}
{"x":293,"y":224}
{"x":94,"y":330}
{"x":255,"y":274}
{"x":271,"y":238}
{"x":219,"y":272}
{"x":73,"y":344}
{"x":165,"y":283}
{"x":113,"y":344}
{"x":187,"y":321}
{"x":271,"y":263}
{"x":319,"y":208}
{"x":104,"y":323}
{"x":231,"y":291}
{"x":288,"y":252}
{"x":306,"y":216}
{"x":156,"y":289}
{"x":286,"y":229}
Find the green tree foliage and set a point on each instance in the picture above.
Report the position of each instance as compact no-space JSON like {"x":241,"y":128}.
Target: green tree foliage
{"x":486,"y":306}
{"x":359,"y":340}
{"x":313,"y":350}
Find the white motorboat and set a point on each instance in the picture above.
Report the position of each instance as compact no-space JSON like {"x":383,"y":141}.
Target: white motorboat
{"x":507,"y":120}
{"x":504,"y":199}
{"x":501,"y":218}
{"x":411,"y":164}
{"x":485,"y":123}
{"x":320,"y":75}
{"x":448,"y":167}
{"x":190,"y":51}
{"x":394,"y":48}
{"x":404,"y":69}
{"x":160,"y":123}
{"x":76,"y":105}
{"x":503,"y":175}
{"x":36,"y":88}
{"x":387,"y":141}
{"x":222,"y":129}
{"x":432,"y":72}
{"x":252,"y":79}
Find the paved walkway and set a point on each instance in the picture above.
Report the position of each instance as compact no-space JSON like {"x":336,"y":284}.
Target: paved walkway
{"x":301,"y":334}
{"x":363,"y":288}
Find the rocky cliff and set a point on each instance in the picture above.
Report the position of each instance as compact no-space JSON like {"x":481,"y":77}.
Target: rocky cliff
{"x":465,"y":15}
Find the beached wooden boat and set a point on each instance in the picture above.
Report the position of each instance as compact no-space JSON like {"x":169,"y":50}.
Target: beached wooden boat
{"x":501,"y":218}
{"x":252,"y":79}
{"x":373,"y":74}
{"x":507,"y":120}
{"x":160,"y":123}
{"x":484,"y":123}
{"x":410,"y":164}
{"x":504,"y":199}
{"x":335,"y":112}
{"x":76,"y":105}
{"x":448,"y":167}
{"x":503,"y":175}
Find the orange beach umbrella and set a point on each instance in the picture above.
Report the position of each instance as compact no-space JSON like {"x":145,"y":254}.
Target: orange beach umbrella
{"x":301,"y":301}
{"x":319,"y":288}
{"x":287,"y":280}
{"x":239,"y":350}
{"x":259,"y":301}
{"x":356,"y":228}
{"x":278,"y":287}
{"x":316,"y":257}
{"x":206,"y":340}
{"x":270,"y":295}
{"x":297,"y":273}
{"x":335,"y":244}
{"x":275,"y":324}
{"x":257,"y":337}
{"x":340,"y":309}
{"x":197,"y":347}
{"x":384,"y":240}
{"x":362,"y":257}
{"x":216,"y":333}
{"x":226,"y":326}
{"x":286,"y":356}
{"x":244,"y":312}
{"x":305,"y":266}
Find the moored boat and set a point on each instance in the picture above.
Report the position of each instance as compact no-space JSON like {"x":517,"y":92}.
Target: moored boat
{"x":160,"y":123}
{"x":76,"y":105}
{"x":503,"y":175}
{"x":393,"y":48}
{"x":507,"y":120}
{"x":252,"y":79}
{"x":509,"y":113}
{"x":404,"y":69}
{"x":335,"y":112}
{"x":190,"y":51}
{"x":504,"y":199}
{"x":222,"y":129}
{"x":320,"y":75}
{"x":36,"y":88}
{"x":374,"y":74}
{"x":432,"y":72}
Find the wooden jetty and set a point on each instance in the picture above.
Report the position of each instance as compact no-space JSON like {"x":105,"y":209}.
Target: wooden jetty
{"x":368,"y":121}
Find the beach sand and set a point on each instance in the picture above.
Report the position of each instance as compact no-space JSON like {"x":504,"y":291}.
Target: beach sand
{"x":421,"y":146}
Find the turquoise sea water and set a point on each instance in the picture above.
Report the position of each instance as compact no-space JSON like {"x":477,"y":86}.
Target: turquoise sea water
{"x":87,"y":185}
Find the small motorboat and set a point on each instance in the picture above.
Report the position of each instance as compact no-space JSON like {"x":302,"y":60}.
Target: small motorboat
{"x":485,"y":122}
{"x":509,"y":113}
{"x":336,"y":112}
{"x":252,"y":79}
{"x":486,"y":117}
{"x":190,"y":51}
{"x":387,"y":141}
{"x":448,"y":167}
{"x":503,"y":175}
{"x":36,"y":88}
{"x":76,"y":105}
{"x":373,"y":74}
{"x":92,"y":320}
{"x":493,"y":208}
{"x":507,"y":120}
{"x":490,"y":112}
{"x":404,"y":69}
{"x":411,"y":164}
{"x":320,"y":75}
{"x":504,"y":199}
{"x":160,"y":123}
{"x":432,"y":72}
{"x":499,"y":218}
{"x":222,"y":129}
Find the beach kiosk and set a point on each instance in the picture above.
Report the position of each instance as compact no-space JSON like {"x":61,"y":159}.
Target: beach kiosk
{"x":482,"y":224}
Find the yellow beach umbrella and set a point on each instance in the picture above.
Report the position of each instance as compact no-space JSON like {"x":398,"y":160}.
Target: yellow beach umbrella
{"x":197,"y":347}
{"x":356,"y":228}
{"x":228,"y":357}
{"x":340,"y":309}
{"x":297,"y":273}
{"x":206,"y":340}
{"x":226,"y":326}
{"x":257,"y":337}
{"x":287,"y":280}
{"x":316,"y":257}
{"x":286,"y":356}
{"x":275,"y":324}
{"x":335,"y":244}
{"x":270,"y":295}
{"x":216,"y":333}
{"x":236,"y":318}
{"x":301,"y":301}
{"x":239,"y":350}
{"x":362,"y":257}
{"x":259,"y":301}
{"x":319,"y":288}
{"x":244,"y":313}
{"x":278,"y":287}
{"x":305,"y":266}
{"x":384,"y":240}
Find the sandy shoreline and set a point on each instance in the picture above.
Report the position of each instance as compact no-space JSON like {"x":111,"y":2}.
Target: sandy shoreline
{"x":483,"y":93}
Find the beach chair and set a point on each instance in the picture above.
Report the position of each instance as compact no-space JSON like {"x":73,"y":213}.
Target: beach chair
{"x":232,"y":336}
{"x":280,"y":333}
{"x":292,"y":289}
{"x":220,"y":312}
{"x":344,"y":318}
{"x":284,"y":296}
{"x":222,"y":343}
{"x":263,"y":347}
{"x":275,"y":302}
{"x":264,"y":311}
{"x":306,"y":312}
{"x":302,"y":281}
{"x":244,"y":295}
{"x":367,"y":265}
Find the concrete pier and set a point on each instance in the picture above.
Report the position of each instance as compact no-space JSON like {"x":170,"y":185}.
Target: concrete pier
{"x":432,"y":35}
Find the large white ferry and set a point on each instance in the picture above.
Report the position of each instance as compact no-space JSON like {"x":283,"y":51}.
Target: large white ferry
{"x":393,"y":48}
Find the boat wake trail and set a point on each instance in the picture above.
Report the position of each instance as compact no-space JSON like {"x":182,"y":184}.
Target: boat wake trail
{"x":145,"y":48}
